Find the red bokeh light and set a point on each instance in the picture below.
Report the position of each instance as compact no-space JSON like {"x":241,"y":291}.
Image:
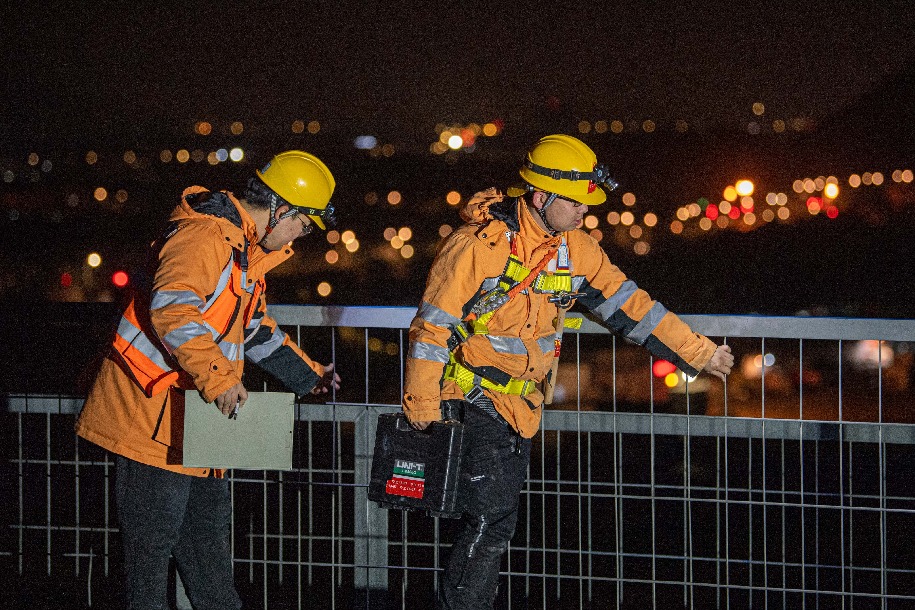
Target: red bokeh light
{"x":662,"y":368}
{"x":119,"y":278}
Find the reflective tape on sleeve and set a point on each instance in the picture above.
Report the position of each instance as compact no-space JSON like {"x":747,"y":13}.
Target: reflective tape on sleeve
{"x":609,"y":307}
{"x":258,"y":352}
{"x":163,"y":298}
{"x":433,"y":315}
{"x":427,"y":351}
{"x":136,"y":339}
{"x":647,"y":324}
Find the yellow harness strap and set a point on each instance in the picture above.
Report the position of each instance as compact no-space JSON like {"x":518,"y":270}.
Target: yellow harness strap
{"x":467,"y":380}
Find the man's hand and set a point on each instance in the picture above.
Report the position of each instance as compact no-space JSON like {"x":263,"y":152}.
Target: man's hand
{"x":236,"y":395}
{"x":721,"y":362}
{"x":422,"y":425}
{"x":329,"y":381}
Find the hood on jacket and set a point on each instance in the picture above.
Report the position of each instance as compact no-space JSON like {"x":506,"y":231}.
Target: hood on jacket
{"x":491,"y":204}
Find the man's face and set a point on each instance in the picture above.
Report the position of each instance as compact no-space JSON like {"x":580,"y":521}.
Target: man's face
{"x":287,"y":230}
{"x":565,"y":215}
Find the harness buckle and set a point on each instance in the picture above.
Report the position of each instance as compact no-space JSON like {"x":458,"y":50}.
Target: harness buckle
{"x":565,"y":299}
{"x":474,"y":393}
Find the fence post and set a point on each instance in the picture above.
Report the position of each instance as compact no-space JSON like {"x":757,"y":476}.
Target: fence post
{"x":370,"y":525}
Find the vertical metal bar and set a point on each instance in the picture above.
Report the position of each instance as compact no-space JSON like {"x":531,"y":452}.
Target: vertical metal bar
{"x":816,"y":482}
{"x":581,"y":584}
{"x":618,"y":485}
{"x":76,"y":534}
{"x":851,"y":527}
{"x":689,"y":494}
{"x":21,"y":527}
{"x":654,"y":553}
{"x":543,"y":514}
{"x":107,"y":509}
{"x":338,"y":490}
{"x":297,"y":423}
{"x":727,"y":502}
{"x":298,"y":530}
{"x":841,"y":481}
{"x":558,"y":524}
{"x":784,"y":548}
{"x":264,"y":534}
{"x":803,"y":489}
{"x":48,"y":489}
{"x":280,"y":528}
{"x":590,"y":524}
{"x":881,"y":459}
{"x":762,"y":445}
{"x":750,"y":517}
{"x":311,"y":502}
{"x":336,"y":494}
{"x":717,"y":521}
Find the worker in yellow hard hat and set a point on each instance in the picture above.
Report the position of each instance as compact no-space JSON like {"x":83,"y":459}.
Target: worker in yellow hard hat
{"x":192,"y":330}
{"x":488,"y":331}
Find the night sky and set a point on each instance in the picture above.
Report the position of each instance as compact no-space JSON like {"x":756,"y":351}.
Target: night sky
{"x":85,"y":67}
{"x":112,"y":77}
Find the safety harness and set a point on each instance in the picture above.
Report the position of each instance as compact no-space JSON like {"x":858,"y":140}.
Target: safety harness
{"x":515,"y":279}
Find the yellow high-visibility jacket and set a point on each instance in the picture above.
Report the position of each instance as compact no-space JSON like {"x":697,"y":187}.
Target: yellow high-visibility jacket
{"x":520,"y":338}
{"x":203,"y":316}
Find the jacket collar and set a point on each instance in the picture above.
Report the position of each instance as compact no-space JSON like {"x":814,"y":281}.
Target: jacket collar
{"x":233,"y":221}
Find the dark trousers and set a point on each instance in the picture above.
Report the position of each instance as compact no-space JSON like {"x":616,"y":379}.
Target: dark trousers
{"x":493,"y":472}
{"x":164,"y":514}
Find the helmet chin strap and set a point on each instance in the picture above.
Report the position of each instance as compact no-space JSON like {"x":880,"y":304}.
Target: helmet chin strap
{"x":551,"y":197}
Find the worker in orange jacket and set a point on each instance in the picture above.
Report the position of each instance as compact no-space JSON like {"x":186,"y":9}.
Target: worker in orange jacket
{"x":204,"y":314}
{"x":484,"y":337}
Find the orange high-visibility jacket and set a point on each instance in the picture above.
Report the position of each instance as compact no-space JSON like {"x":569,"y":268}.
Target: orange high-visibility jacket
{"x":205,"y":313}
{"x":520,"y":338}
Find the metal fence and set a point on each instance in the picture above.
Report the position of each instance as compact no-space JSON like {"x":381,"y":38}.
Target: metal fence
{"x":788,"y":486}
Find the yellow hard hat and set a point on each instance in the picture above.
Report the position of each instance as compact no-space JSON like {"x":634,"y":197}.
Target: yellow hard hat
{"x":566,"y":166}
{"x":303,"y":181}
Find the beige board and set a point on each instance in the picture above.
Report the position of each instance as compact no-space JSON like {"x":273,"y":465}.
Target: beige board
{"x":259,"y":439}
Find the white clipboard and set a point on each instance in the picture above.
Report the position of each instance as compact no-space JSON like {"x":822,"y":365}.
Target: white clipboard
{"x":259,"y":439}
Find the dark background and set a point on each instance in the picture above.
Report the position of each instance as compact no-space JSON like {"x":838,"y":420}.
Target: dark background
{"x":113,"y":79}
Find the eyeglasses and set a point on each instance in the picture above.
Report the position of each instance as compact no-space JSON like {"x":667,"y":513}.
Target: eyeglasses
{"x":307,"y":225}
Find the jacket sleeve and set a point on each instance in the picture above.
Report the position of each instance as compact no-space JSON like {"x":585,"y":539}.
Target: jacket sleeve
{"x":190,"y":263}
{"x":628,"y":310}
{"x":267,"y":346}
{"x":455,"y":276}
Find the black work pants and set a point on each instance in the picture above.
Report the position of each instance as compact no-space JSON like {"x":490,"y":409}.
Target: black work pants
{"x":164,"y":514}
{"x":493,"y":472}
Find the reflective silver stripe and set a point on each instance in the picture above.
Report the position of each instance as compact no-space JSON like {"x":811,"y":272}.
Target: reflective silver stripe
{"x":260,"y":351}
{"x":616,"y":300}
{"x":643,"y":329}
{"x":507,"y":345}
{"x":135,"y":337}
{"x":577,"y":281}
{"x":252,"y":328}
{"x":433,"y":315}
{"x":186,"y":332}
{"x":427,"y":351}
{"x":232,"y":351}
{"x":221,"y":285}
{"x":547,"y":344}
{"x":163,"y":298}
{"x":255,"y":320}
{"x":489,"y":283}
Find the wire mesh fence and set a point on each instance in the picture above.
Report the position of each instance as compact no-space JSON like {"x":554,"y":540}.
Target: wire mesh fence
{"x":788,"y":487}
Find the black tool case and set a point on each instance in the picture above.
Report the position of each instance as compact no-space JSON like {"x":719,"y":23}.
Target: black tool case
{"x":417,"y":470}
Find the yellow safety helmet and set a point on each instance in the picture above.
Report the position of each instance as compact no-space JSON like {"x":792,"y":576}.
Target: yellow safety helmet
{"x":304,"y":182}
{"x":567,"y":167}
